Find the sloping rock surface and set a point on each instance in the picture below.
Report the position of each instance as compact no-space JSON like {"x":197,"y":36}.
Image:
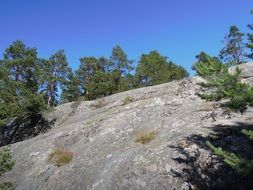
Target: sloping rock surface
{"x":102,"y":135}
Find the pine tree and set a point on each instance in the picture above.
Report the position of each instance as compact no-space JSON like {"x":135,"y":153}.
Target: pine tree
{"x":219,"y":83}
{"x":6,"y":162}
{"x":22,"y":65}
{"x":71,"y":90}
{"x":233,"y":52}
{"x":249,"y":44}
{"x":20,"y":101}
{"x":101,"y":84}
{"x":154,"y":69}
{"x":9,"y":107}
{"x":87,"y":69}
{"x":120,"y":65}
{"x":19,"y":83}
{"x":240,"y":165}
{"x":55,"y":74}
{"x":96,"y":77}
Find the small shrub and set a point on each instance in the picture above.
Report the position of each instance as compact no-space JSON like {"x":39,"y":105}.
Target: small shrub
{"x":248,"y":133}
{"x":99,"y":103}
{"x":128,"y":100}
{"x":49,"y":110}
{"x":60,"y":157}
{"x":6,"y":186}
{"x":221,"y":84}
{"x":145,"y":137}
{"x":6,"y":162}
{"x":240,"y":165}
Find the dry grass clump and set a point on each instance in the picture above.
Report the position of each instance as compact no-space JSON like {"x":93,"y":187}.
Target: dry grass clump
{"x":60,"y":157}
{"x":128,"y":100}
{"x":145,"y":137}
{"x":99,"y":103}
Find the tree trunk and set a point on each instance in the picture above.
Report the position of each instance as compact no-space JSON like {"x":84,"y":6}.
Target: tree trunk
{"x":50,"y":92}
{"x":49,"y":100}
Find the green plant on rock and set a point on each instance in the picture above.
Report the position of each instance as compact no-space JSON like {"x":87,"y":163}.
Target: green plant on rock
{"x":128,"y":100}
{"x":240,"y":165}
{"x":145,"y":137}
{"x":6,"y":186}
{"x":248,"y":133}
{"x":220,"y":83}
{"x":100,"y":103}
{"x":60,"y":157}
{"x":6,"y":162}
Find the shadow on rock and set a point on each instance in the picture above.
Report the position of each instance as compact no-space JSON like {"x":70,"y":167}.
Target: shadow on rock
{"x":204,"y":170}
{"x":24,"y":128}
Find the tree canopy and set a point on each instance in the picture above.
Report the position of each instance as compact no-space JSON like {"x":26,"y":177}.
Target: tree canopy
{"x":233,"y":52}
{"x":30,"y":84}
{"x":154,"y":68}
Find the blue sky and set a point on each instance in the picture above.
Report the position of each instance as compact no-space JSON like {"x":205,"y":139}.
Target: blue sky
{"x":179,"y":29}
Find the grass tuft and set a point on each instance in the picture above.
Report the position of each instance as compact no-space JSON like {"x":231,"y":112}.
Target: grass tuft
{"x":100,"y":103}
{"x":60,"y":157}
{"x":128,"y":100}
{"x":145,"y":137}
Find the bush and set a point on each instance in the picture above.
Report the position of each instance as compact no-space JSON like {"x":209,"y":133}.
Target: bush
{"x":219,"y":83}
{"x":248,"y":133}
{"x":6,"y":186}
{"x":6,"y":162}
{"x":240,"y":165}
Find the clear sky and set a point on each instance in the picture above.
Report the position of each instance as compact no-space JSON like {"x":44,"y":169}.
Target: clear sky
{"x":179,"y":29}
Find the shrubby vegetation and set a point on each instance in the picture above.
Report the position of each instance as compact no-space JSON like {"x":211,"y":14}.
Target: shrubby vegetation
{"x":128,"y":100}
{"x":6,"y":164}
{"x":221,"y":84}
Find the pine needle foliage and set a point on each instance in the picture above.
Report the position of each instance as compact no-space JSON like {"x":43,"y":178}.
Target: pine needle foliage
{"x":6,"y":162}
{"x":248,"y":133}
{"x":240,"y":165}
{"x":220,"y":83}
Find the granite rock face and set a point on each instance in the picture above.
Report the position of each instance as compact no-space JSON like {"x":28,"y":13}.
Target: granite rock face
{"x":102,"y":136}
{"x":247,"y":72}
